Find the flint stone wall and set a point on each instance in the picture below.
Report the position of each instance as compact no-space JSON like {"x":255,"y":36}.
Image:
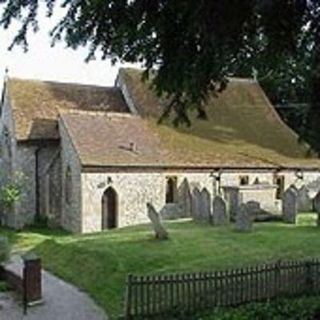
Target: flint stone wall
{"x":134,"y":190}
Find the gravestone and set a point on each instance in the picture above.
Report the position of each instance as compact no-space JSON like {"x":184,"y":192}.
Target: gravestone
{"x":316,"y":207}
{"x":171,"y":211}
{"x":185,"y":198}
{"x":316,"y":203}
{"x":253,"y":207}
{"x":313,"y":187}
{"x":304,"y":201}
{"x":219,"y":212}
{"x":243,"y":221}
{"x":289,"y":206}
{"x":160,"y":232}
{"x":205,"y":212}
{"x":196,"y":204}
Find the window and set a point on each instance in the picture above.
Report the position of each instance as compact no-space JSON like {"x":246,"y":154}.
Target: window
{"x":279,"y":182}
{"x":171,"y":189}
{"x":244,"y":180}
{"x":68,"y":186}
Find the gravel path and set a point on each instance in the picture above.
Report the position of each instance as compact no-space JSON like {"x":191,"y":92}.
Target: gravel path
{"x":62,"y":301}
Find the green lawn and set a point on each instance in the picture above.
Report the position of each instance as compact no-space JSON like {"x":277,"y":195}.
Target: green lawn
{"x":99,"y":263}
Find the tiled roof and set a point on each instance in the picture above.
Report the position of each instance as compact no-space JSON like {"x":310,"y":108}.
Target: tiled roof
{"x":242,"y":130}
{"x":36,"y":104}
{"x":113,"y":139}
{"x":126,"y":140}
{"x":241,"y":124}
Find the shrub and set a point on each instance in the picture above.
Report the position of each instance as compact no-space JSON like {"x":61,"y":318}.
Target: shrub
{"x":4,"y":249}
{"x":3,"y":286}
{"x":12,"y":191}
{"x":306,"y":308}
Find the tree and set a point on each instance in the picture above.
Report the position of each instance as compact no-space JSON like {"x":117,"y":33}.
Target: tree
{"x":193,"y":45}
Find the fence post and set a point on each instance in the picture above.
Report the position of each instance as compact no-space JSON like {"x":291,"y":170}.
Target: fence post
{"x":308,"y":277}
{"x":278,"y":289}
{"x":128,"y":306}
{"x":32,"y":279}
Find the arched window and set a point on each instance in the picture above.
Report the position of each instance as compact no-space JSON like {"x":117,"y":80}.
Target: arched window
{"x":109,"y":209}
{"x":244,"y":180}
{"x":171,"y":189}
{"x":68,"y":185}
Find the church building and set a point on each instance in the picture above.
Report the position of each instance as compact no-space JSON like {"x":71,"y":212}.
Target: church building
{"x":92,"y":157}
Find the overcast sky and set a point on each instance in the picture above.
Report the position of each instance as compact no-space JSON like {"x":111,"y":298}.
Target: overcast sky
{"x":46,"y":63}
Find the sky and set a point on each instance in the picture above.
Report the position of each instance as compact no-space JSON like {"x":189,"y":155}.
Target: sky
{"x":46,"y":63}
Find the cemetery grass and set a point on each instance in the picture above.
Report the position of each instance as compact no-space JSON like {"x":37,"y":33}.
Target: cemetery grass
{"x":99,"y":263}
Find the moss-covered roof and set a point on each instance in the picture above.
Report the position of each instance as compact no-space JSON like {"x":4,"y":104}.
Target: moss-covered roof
{"x":242,"y":127}
{"x":36,"y":104}
{"x":117,"y":139}
{"x":242,"y":130}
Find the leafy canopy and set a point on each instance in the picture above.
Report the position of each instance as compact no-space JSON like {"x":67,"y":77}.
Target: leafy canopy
{"x":193,"y":45}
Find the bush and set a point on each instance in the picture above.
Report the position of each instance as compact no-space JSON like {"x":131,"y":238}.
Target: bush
{"x":12,"y":192}
{"x":306,"y":308}
{"x":3,"y":286}
{"x":4,"y":249}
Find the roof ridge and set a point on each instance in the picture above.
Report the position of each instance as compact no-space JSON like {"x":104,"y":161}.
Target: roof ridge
{"x":107,"y":113}
{"x":231,"y":78}
{"x":240,"y":79}
{"x":63,"y":83}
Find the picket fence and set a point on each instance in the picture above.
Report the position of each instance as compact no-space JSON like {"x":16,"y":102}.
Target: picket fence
{"x":164,"y":295}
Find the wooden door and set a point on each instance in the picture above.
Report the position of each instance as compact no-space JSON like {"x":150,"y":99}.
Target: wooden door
{"x":109,"y":209}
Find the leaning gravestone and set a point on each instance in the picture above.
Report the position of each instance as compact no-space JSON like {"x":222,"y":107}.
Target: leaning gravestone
{"x":205,"y":212}
{"x":196,"y":201}
{"x":154,"y":216}
{"x":304,"y":201}
{"x":243,"y":219}
{"x":289,"y":206}
{"x":185,"y":198}
{"x":219,"y":212}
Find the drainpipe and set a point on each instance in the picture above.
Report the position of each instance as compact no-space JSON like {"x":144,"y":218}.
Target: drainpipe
{"x":37,"y":185}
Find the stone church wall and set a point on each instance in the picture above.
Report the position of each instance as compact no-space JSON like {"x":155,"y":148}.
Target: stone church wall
{"x":8,"y":155}
{"x":136,"y":189}
{"x":25,"y":163}
{"x":53,"y":195}
{"x":49,"y":172}
{"x":71,"y":218}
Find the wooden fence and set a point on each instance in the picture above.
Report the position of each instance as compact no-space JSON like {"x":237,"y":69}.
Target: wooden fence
{"x":155,"y":296}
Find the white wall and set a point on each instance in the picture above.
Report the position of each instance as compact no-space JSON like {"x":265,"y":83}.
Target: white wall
{"x":136,"y":189}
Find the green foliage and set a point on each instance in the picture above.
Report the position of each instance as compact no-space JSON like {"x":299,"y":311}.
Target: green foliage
{"x":3,"y":286}
{"x":4,"y":249}
{"x":12,"y":191}
{"x":10,"y":195}
{"x":307,"y":308}
{"x":196,"y":45}
{"x":99,"y":263}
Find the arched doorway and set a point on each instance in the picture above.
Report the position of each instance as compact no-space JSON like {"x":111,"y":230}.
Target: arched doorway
{"x":171,"y":189}
{"x":109,"y":209}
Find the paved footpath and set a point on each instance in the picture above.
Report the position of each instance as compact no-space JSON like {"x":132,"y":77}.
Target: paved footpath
{"x":62,"y":301}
